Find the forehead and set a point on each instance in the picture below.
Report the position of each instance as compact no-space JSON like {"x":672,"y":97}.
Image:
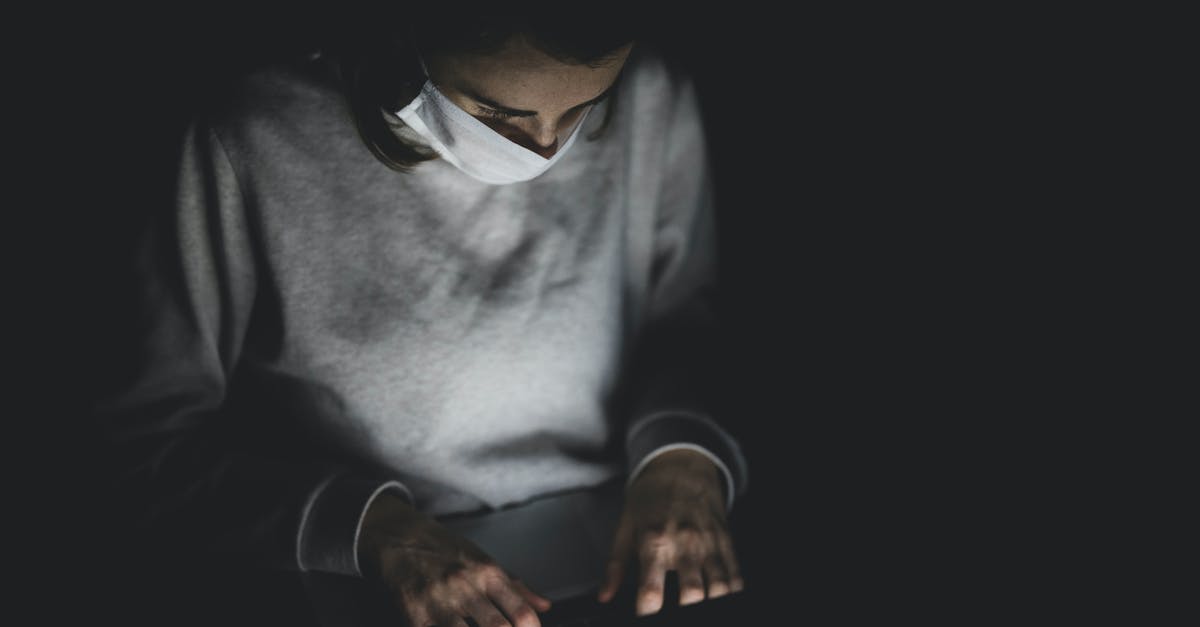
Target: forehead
{"x":521,"y":76}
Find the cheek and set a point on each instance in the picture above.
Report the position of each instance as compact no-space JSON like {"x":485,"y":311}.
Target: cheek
{"x":567,"y":123}
{"x":504,"y":127}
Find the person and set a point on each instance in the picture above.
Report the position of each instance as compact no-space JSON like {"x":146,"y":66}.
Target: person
{"x":444,"y":268}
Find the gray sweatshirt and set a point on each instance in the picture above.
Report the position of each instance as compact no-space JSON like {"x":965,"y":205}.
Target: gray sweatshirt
{"x":318,"y":328}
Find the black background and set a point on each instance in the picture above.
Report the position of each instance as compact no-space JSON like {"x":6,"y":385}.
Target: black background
{"x":888,"y":290}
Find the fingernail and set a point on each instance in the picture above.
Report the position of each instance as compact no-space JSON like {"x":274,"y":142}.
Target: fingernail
{"x":647,"y":606}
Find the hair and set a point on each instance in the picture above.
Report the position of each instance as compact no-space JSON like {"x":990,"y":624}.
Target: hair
{"x":379,"y":72}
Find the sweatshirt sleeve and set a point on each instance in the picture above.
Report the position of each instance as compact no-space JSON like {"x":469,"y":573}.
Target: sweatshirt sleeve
{"x":674,"y":372}
{"x":179,"y":472}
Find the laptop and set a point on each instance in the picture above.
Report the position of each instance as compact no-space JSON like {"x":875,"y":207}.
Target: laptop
{"x":557,"y":545}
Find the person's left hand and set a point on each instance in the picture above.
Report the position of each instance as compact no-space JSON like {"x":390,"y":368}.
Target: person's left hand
{"x":674,"y":519}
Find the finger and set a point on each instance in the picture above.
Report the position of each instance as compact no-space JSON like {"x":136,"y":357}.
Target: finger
{"x":446,"y":620}
{"x":691,"y":582}
{"x":653,"y":574}
{"x":730,"y":562}
{"x":717,"y":576}
{"x":485,"y":614}
{"x":539,"y":602}
{"x":618,"y":559}
{"x":519,"y":612}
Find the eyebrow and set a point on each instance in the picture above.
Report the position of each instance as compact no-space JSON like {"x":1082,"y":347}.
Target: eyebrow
{"x":524,"y":113}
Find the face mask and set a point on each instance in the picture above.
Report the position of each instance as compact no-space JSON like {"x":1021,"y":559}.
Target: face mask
{"x":471,"y":145}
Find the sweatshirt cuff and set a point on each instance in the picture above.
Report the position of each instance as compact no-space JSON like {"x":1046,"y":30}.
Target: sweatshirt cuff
{"x":688,"y":446}
{"x":329,"y":531}
{"x":660,"y":432}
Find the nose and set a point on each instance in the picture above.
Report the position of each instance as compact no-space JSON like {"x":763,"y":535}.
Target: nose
{"x":543,"y":140}
{"x":534,"y":142}
{"x":533,"y":135}
{"x":546,"y":151}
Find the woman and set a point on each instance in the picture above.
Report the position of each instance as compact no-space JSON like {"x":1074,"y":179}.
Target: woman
{"x":455,"y":272}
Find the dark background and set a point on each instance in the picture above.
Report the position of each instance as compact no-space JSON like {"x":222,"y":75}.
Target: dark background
{"x":887,"y":296}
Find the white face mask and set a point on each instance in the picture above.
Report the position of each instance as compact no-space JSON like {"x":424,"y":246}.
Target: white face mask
{"x":471,"y":145}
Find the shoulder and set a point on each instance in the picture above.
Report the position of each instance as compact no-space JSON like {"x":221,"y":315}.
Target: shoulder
{"x":658,"y":101}
{"x":294,"y":98}
{"x":654,"y":74}
{"x":657,"y":88}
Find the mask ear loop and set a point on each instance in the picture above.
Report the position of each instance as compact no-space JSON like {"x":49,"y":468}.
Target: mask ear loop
{"x":412,"y":42}
{"x":421,"y":59}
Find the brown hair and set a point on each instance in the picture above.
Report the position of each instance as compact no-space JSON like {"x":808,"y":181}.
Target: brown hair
{"x":379,"y":72}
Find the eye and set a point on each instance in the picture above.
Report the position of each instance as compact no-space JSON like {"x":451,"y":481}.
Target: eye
{"x":494,"y":114}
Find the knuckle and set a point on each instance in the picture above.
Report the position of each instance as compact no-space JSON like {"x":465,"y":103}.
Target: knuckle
{"x":656,"y":539}
{"x":515,"y":587}
{"x":652,"y":554}
{"x":654,"y":535}
{"x":456,"y":582}
{"x":688,"y":536}
{"x":491,"y":572}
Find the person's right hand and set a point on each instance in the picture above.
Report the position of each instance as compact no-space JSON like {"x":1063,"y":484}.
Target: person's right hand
{"x":437,"y":577}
